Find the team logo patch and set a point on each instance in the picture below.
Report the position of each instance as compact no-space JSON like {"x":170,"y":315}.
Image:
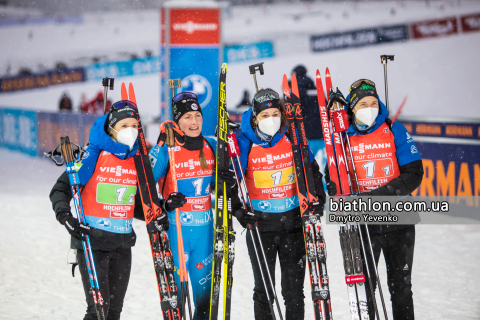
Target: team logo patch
{"x":186,"y":217}
{"x":413,"y":149}
{"x":199,"y":266}
{"x":194,"y":106}
{"x":104,"y":223}
{"x":264,"y":205}
{"x":385,"y":130}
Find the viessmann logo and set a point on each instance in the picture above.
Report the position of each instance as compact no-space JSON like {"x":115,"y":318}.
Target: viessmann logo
{"x":190,"y":27}
{"x":362,"y":147}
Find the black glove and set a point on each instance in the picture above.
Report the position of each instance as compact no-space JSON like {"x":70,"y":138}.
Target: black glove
{"x":245,"y":217}
{"x":331,"y":188}
{"x":317,"y":207}
{"x":175,"y":200}
{"x":228,"y":176}
{"x":77,"y":229}
{"x":161,"y":222}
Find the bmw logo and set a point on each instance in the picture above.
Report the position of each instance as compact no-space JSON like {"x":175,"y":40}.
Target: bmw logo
{"x":104,"y":223}
{"x":186,"y":217}
{"x":264,"y":205}
{"x":200,"y":86}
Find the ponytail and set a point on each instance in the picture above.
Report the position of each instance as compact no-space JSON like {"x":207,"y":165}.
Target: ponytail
{"x":203,"y":161}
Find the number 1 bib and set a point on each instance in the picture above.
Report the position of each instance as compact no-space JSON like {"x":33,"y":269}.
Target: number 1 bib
{"x":270,"y":178}
{"x":109,"y":195}
{"x":375,"y":158}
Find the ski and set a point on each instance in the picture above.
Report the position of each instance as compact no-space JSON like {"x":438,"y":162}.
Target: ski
{"x":68,"y":157}
{"x":224,"y":236}
{"x":308,"y":203}
{"x":341,"y":161}
{"x":349,"y":234}
{"x":159,"y":242}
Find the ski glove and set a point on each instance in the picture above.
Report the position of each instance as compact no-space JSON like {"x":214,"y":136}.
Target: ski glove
{"x":76,"y":229}
{"x":227,"y":175}
{"x":245,"y":217}
{"x":175,"y":200}
{"x":331,"y":188}
{"x":179,"y":134}
{"x":161,"y":222}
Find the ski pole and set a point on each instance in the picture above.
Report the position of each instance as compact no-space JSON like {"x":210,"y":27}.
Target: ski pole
{"x":235,"y":152}
{"x":181,"y":253}
{"x":384,"y":58}
{"x":253,"y":70}
{"x":173,"y":84}
{"x":68,"y":158}
{"x":107,"y":83}
{"x":370,"y":244}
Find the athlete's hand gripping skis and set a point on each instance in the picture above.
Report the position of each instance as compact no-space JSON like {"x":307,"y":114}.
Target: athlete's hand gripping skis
{"x":310,"y":208}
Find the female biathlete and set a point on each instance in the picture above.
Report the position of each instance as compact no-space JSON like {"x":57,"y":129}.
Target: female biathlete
{"x":387,"y":163}
{"x":109,"y":194}
{"x":267,"y":160}
{"x":195,"y":170}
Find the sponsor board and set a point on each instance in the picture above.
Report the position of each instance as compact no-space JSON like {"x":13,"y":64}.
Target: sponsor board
{"x":194,"y":26}
{"x":249,"y":51}
{"x":358,"y":38}
{"x":470,"y":22}
{"x":434,"y":28}
{"x":18,"y":130}
{"x":117,"y":69}
{"x":41,"y":80}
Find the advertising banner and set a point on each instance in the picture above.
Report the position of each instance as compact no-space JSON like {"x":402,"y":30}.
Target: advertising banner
{"x":40,"y":80}
{"x":470,"y":22}
{"x":434,"y":28}
{"x":19,"y":130}
{"x":52,"y":126}
{"x":191,"y":49}
{"x":250,"y":51}
{"x":450,"y":153}
{"x":117,"y":69}
{"x":358,"y":38}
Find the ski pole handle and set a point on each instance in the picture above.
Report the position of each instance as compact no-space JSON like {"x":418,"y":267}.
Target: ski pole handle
{"x":107,"y":83}
{"x":233,"y":149}
{"x":173,"y":84}
{"x":253,"y":71}
{"x":340,"y":119}
{"x":384,"y":58}
{"x":66,"y":149}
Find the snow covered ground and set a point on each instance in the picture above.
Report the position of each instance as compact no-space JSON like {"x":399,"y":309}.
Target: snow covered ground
{"x":36,"y":282}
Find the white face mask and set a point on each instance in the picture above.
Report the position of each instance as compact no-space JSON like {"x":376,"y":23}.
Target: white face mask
{"x":269,"y":125}
{"x":367,"y":115}
{"x":127,"y":136}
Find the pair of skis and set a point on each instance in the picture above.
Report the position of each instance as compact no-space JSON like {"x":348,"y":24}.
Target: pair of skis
{"x":334,"y":123}
{"x":224,"y":235}
{"x":159,"y":242}
{"x":310,"y":208}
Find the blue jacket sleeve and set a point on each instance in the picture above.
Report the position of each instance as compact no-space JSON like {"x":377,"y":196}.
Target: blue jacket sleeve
{"x":89,"y":162}
{"x":159,"y":160}
{"x":406,"y":149}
